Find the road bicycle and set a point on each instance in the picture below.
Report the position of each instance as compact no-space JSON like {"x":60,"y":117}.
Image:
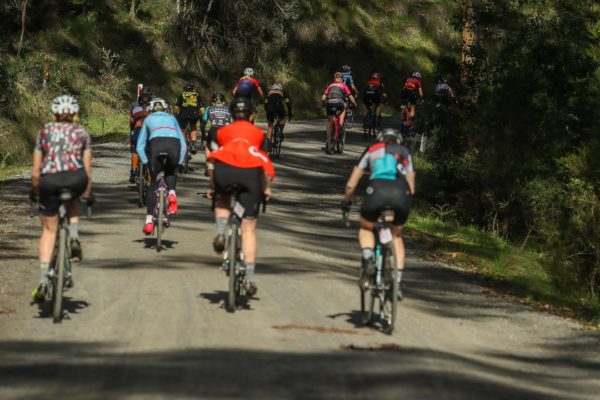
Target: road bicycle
{"x":370,"y":122}
{"x":59,"y":271}
{"x":336,"y":141}
{"x":233,"y":257}
{"x":350,"y":118}
{"x":276,"y":139}
{"x":379,"y":296}
{"x":142,"y":181}
{"x":160,"y":216}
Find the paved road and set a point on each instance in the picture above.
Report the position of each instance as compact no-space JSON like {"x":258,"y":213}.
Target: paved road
{"x":143,"y":325}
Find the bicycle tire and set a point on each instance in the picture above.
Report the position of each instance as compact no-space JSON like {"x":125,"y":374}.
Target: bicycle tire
{"x":57,"y":295}
{"x":141,"y":178}
{"x":341,"y":139}
{"x":279,"y":141}
{"x":350,"y":119}
{"x":232,"y":293}
{"x":390,"y":306}
{"x":160,"y":218}
{"x":366,"y":306}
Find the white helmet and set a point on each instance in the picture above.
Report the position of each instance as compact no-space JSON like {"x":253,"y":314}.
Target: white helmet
{"x":64,"y":104}
{"x":249,"y":71}
{"x":277,"y":86}
{"x":158,"y":104}
{"x":416,"y":75}
{"x":390,"y":132}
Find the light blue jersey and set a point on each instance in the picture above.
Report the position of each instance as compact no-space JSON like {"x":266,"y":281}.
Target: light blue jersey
{"x":156,"y":125}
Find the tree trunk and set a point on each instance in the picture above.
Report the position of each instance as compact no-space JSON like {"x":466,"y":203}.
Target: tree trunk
{"x":469,"y":40}
{"x":132,"y":12}
{"x":23,"y":20}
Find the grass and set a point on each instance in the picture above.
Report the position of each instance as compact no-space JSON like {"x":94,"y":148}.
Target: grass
{"x":517,"y":273}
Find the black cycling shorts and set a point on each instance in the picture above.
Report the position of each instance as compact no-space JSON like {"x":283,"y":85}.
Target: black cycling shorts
{"x":273,"y":110}
{"x":52,"y":184}
{"x":334,"y":107}
{"x":185,"y":119}
{"x":133,"y":138}
{"x":386,"y":194}
{"x":372,"y":99}
{"x":248,"y":179}
{"x":409,"y":97}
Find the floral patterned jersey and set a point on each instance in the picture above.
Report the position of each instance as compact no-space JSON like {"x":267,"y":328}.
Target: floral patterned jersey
{"x":62,"y":145}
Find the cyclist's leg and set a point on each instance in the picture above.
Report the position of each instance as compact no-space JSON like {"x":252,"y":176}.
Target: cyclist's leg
{"x":378,"y":114}
{"x":343,"y":115}
{"x":193,"y":134}
{"x":269,"y":130}
{"x":250,"y":199}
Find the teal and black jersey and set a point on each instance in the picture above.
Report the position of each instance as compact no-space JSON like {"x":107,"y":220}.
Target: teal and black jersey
{"x":386,"y":161}
{"x":217,"y":115}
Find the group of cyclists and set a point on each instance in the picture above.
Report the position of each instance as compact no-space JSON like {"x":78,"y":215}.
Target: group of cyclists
{"x":236,"y":156}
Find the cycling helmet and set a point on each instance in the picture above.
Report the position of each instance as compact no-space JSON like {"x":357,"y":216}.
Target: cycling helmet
{"x":346,"y":68}
{"x":158,"y":104}
{"x":376,"y":76}
{"x":390,"y":133}
{"x":249,"y":71}
{"x":218,"y":98}
{"x":277,"y":86}
{"x":188,"y":87}
{"x":338,"y":75}
{"x":240,"y":108}
{"x":145,"y":98}
{"x":64,"y":104}
{"x":416,"y":75}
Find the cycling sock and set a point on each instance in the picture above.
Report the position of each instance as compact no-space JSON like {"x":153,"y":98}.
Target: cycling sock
{"x":221,"y":225}
{"x":44,"y":266}
{"x":74,"y":230}
{"x":399,"y":276}
{"x":172,"y":192}
{"x":250,"y":271}
{"x":367,"y":253}
{"x":148,"y":219}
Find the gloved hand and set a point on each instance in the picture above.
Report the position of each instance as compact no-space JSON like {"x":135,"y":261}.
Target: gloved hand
{"x":345,"y":205}
{"x":90,"y":200}
{"x":33,"y":197}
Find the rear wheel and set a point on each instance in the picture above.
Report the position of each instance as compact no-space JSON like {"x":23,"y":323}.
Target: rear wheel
{"x":231,"y":261}
{"x":160,"y":218}
{"x":390,"y":304}
{"x":278,"y":140}
{"x":366,"y":306}
{"x":141,"y":183}
{"x":57,"y":293}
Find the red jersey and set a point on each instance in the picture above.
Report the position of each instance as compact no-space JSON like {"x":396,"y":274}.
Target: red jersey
{"x":239,"y":146}
{"x":413,"y":84}
{"x":245,"y":85}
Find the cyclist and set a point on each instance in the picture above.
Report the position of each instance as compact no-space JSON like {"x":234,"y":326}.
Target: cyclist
{"x":189,"y":109}
{"x":348,"y":80}
{"x":336,"y":98}
{"x":412,"y":88}
{"x":443,"y":92}
{"x":246,"y":85}
{"x":62,"y":159}
{"x":162,"y":134}
{"x":219,"y":116}
{"x":241,"y":161}
{"x":373,"y":95}
{"x":391,"y":185}
{"x":138,"y":113}
{"x":276,"y":97}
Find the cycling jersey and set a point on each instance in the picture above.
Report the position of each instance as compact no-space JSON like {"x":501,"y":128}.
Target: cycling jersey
{"x":413,"y":84}
{"x":189,"y":104}
{"x":386,"y":161}
{"x":277,"y":96}
{"x":217,"y":115}
{"x":337,"y":92}
{"x":245,"y":86}
{"x":137,"y":115}
{"x":347,"y":79}
{"x":240,"y":146}
{"x":274,"y":106}
{"x":62,"y":145}
{"x":373,"y":92}
{"x":159,"y":124}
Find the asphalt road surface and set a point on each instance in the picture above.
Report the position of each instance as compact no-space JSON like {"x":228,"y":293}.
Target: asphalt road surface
{"x":142,"y":325}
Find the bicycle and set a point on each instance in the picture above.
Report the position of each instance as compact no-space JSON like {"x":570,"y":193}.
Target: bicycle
{"x":383,"y":284}
{"x":233,"y":257}
{"x":188,"y":153}
{"x":143,"y":183}
{"x":370,"y":122}
{"x":160,"y":217}
{"x":336,"y":141}
{"x":59,"y":272}
{"x":350,"y":118}
{"x":276,"y":139}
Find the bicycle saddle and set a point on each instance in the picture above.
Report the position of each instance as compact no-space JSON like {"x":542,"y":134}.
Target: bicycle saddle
{"x":163,"y":157}
{"x":388,"y":215}
{"x":65,"y":196}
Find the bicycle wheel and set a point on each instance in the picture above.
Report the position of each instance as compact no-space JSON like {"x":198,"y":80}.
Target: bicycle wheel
{"x":278,"y":140}
{"x":140,"y":187}
{"x":390,"y":303}
{"x":57,"y":293}
{"x":341,"y":139}
{"x":350,"y":118}
{"x":366,"y":306}
{"x":160,"y":218}
{"x":231,"y":261}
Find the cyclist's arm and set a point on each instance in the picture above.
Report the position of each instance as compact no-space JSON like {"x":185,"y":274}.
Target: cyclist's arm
{"x":352,"y":183}
{"x":352,"y":100}
{"x":87,"y":165}
{"x":410,"y":178}
{"x":36,"y":171}
{"x":260,"y":92}
{"x":140,"y":147}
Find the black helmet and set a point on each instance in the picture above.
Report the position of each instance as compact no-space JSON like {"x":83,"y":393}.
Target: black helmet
{"x":390,"y":133}
{"x":145,"y":98}
{"x":346,"y":68}
{"x":240,"y":108}
{"x":189,"y":87}
{"x":218,"y":98}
